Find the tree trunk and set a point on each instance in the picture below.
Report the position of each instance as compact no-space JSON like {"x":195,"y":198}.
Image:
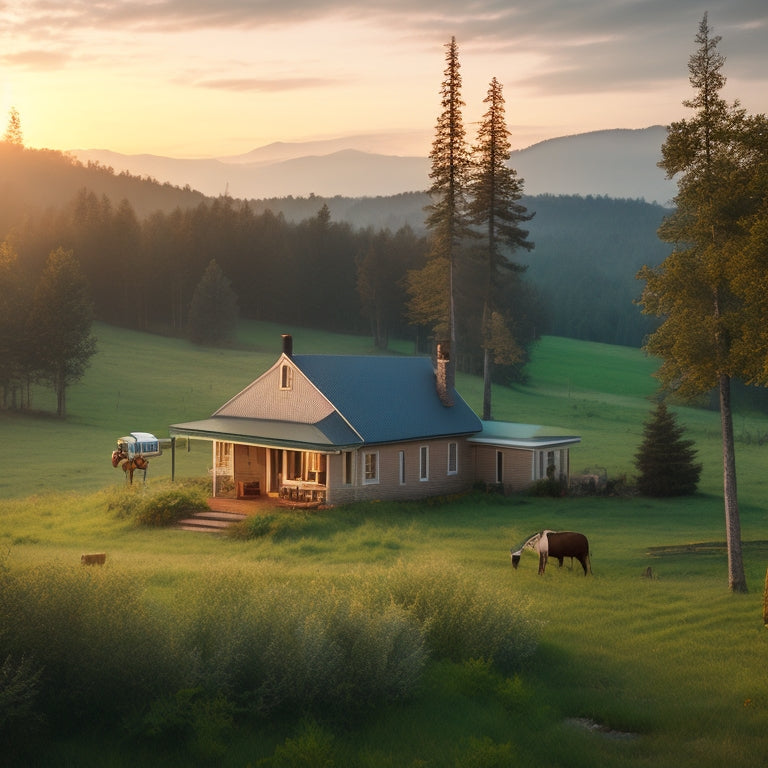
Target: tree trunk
{"x":737,"y":581}
{"x":487,"y":384}
{"x":61,"y":399}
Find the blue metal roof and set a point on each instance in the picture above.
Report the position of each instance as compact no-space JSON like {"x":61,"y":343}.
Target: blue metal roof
{"x":387,"y":399}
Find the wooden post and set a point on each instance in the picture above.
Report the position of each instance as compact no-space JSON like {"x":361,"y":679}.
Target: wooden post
{"x":765,"y":600}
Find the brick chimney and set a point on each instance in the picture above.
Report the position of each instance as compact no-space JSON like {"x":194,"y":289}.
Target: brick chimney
{"x":445,"y":375}
{"x":287,"y":344}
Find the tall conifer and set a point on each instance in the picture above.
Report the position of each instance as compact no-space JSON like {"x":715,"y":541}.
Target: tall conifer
{"x":495,"y":207}
{"x":693,"y":289}
{"x":432,"y":289}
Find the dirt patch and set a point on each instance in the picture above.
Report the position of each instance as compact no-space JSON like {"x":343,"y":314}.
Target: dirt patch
{"x":704,"y":548}
{"x":592,"y":726}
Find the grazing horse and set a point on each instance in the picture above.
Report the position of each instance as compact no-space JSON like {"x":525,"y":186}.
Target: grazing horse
{"x":557,"y":544}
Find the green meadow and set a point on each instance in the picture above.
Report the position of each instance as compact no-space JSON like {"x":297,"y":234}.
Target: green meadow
{"x":451,"y":659}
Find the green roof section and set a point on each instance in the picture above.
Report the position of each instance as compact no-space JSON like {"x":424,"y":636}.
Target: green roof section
{"x":513,"y":435}
{"x":330,"y":434}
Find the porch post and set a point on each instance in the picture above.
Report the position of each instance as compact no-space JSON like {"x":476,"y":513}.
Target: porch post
{"x":214,"y":469}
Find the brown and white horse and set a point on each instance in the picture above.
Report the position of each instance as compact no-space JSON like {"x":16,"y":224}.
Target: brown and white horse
{"x":129,"y":465}
{"x":557,"y":544}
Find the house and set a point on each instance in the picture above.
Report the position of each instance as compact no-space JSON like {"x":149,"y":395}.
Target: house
{"x":339,"y":428}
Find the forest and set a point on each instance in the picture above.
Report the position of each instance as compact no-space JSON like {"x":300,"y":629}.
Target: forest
{"x":333,"y":263}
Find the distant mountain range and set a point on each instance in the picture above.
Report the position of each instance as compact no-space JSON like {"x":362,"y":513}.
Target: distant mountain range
{"x":612,"y":163}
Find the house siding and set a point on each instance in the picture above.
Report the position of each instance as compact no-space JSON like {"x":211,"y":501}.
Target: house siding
{"x":266,"y":399}
{"x":518,"y":469}
{"x":389,"y":486}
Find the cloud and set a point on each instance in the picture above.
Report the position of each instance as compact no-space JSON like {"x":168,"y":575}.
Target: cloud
{"x":36,"y":59}
{"x":265,"y":85}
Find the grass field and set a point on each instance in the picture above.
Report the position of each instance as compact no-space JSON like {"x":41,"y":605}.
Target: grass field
{"x":629,"y":671}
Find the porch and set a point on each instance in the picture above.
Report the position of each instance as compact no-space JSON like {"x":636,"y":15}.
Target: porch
{"x":245,"y":473}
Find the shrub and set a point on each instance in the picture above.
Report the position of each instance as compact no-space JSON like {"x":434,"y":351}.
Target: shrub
{"x":19,"y":688}
{"x":170,"y":506}
{"x":312,"y":747}
{"x":88,"y":630}
{"x":548,"y":486}
{"x":486,"y":753}
{"x":200,"y":720}
{"x":462,"y":619}
{"x":253,"y":527}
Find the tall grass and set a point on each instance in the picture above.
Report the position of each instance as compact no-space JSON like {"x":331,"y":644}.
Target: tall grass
{"x":406,"y":618}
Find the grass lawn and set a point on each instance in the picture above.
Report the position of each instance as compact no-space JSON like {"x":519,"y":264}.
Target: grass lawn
{"x":629,"y":671}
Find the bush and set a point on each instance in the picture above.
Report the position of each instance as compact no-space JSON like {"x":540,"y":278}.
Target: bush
{"x":548,"y":487}
{"x":87,"y":629}
{"x":170,"y":506}
{"x":253,"y":527}
{"x":312,"y":747}
{"x":19,"y":688}
{"x":462,"y":619}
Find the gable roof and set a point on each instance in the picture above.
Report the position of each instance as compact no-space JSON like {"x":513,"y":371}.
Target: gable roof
{"x":338,"y":401}
{"x":387,"y":399}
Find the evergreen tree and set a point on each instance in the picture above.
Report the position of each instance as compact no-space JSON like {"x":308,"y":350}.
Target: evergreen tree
{"x":13,"y":134}
{"x":496,"y":192}
{"x":213,"y":312}
{"x":14,"y":351}
{"x":60,"y":324}
{"x":432,"y":289}
{"x":665,"y":460}
{"x":693,"y":289}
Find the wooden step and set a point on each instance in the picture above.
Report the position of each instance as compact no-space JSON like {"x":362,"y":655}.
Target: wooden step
{"x":210,"y":522}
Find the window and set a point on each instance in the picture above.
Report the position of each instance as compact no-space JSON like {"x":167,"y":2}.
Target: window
{"x":401,"y":466}
{"x":499,"y":467}
{"x":453,"y":458}
{"x":424,"y":463}
{"x":347,"y":479}
{"x":371,"y":468}
{"x":286,"y":376}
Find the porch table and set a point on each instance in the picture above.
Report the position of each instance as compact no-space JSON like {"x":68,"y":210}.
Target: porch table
{"x":302,"y":490}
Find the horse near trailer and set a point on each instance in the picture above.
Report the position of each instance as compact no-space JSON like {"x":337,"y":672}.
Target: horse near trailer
{"x":132,"y":451}
{"x":557,"y":544}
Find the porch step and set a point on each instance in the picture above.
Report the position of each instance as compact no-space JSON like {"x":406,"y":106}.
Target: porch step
{"x":210,"y":522}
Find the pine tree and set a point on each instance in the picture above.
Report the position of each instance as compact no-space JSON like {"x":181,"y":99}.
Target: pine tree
{"x":13,"y":134}
{"x":60,"y":324}
{"x":213,"y":312}
{"x":692,"y":290}
{"x":14,"y":351}
{"x":496,"y":191}
{"x":432,"y":289}
{"x":665,"y":460}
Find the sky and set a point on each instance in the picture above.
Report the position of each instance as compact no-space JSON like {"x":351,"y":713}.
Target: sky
{"x":212,"y":78}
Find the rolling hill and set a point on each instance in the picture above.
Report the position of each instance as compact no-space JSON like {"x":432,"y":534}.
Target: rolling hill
{"x":611,"y":163}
